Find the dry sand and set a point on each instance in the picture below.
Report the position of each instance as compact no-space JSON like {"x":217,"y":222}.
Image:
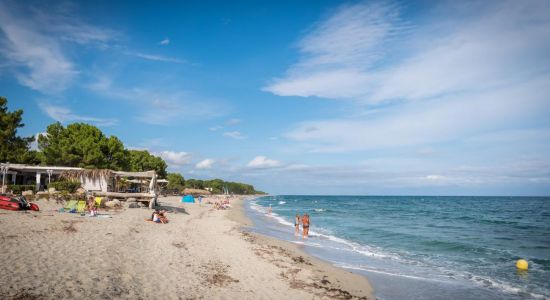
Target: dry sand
{"x":200,"y":253}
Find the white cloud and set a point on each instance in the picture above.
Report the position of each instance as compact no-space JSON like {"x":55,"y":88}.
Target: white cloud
{"x":205,"y":164}
{"x":234,"y":135}
{"x":233,"y":122}
{"x":431,"y":122}
{"x":435,"y":177}
{"x":506,"y":179}
{"x":167,"y":108}
{"x":160,"y":106}
{"x":166,"y":41}
{"x":65,"y":115}
{"x":175,"y":158}
{"x":63,"y":21}
{"x":467,"y":69}
{"x":261,"y":162}
{"x":158,"y":58}
{"x":355,"y":54}
{"x":230,"y":122}
{"x":38,"y":60}
{"x":336,"y":52}
{"x":32,"y":43}
{"x":442,"y":120}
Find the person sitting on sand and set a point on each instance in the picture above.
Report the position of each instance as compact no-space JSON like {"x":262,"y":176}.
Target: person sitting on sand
{"x":163,"y":219}
{"x":305,"y":226}
{"x":156,"y":216}
{"x":91,"y":206}
{"x":297,"y":221}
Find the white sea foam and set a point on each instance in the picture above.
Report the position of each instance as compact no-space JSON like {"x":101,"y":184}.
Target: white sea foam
{"x":281,"y":220}
{"x":362,"y":249}
{"x":492,"y":283}
{"x":320,"y":209}
{"x":352,"y":246}
{"x":370,"y":251}
{"x":363,"y":268}
{"x":308,"y":243}
{"x":255,"y":206}
{"x":282,"y":202}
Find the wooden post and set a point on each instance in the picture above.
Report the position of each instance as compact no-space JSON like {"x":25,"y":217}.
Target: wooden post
{"x":38,"y":181}
{"x":152,"y":187}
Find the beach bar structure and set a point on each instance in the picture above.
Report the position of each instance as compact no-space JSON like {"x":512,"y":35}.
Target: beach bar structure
{"x":102,"y":182}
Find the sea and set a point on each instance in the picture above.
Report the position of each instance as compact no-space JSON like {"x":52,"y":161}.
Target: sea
{"x":423,"y":247}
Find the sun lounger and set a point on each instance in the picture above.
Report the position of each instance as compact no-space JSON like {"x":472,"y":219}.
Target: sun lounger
{"x":81,"y":206}
{"x":98,"y":201}
{"x":71,"y":205}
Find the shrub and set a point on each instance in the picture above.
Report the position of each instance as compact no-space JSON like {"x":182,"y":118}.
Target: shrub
{"x":67,"y":185}
{"x":19,"y":188}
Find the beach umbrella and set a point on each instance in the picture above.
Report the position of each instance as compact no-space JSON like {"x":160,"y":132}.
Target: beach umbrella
{"x":188,"y":199}
{"x":196,"y":192}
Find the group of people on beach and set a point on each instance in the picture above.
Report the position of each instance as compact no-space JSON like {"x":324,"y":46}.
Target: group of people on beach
{"x":304,"y":220}
{"x":224,"y":204}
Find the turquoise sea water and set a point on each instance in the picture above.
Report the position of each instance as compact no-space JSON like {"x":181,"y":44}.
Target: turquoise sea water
{"x":424,"y":247}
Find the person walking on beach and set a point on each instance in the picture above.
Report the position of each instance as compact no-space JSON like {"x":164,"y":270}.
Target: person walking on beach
{"x":305,"y":226}
{"x":297,"y":222}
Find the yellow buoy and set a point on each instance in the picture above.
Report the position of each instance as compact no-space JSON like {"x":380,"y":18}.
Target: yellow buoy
{"x":522,"y":264}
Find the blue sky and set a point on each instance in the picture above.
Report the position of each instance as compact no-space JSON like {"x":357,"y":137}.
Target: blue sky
{"x":299,"y":97}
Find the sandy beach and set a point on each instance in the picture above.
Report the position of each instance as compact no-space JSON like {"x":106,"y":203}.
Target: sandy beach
{"x":200,"y":253}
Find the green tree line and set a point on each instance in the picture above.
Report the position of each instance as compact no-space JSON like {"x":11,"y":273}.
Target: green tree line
{"x":177,"y":182}
{"x":86,"y":146}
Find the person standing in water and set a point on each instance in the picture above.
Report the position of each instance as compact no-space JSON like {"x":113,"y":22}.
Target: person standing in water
{"x":297,"y":222}
{"x":305,"y":226}
{"x":269,"y":210}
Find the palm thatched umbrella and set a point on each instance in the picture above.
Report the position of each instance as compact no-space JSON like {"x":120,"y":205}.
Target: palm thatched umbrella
{"x":92,"y":174}
{"x":189,"y":191}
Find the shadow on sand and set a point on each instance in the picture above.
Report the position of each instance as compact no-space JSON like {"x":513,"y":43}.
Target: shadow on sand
{"x":178,"y":210}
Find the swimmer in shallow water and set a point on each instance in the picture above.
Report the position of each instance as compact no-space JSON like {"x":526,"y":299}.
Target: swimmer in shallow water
{"x":305,"y":226}
{"x":297,"y":222}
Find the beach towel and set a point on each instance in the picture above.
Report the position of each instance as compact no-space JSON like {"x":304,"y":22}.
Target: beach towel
{"x":98,"y":201}
{"x":81,"y":206}
{"x":70,"y":205}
